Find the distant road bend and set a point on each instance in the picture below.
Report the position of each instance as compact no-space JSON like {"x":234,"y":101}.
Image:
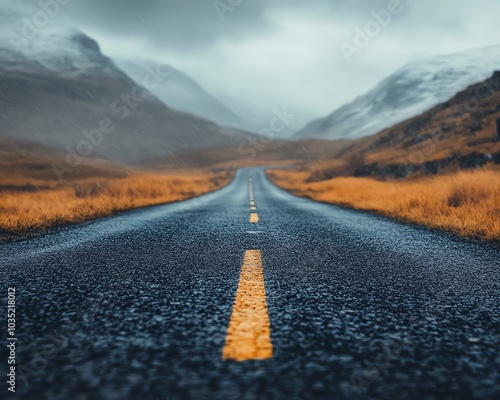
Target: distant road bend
{"x":252,"y":293}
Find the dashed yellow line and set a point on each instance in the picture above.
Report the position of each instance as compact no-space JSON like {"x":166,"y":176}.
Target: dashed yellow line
{"x":254,"y":217}
{"x":249,"y":333}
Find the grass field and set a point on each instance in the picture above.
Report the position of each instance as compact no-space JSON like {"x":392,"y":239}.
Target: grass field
{"x":51,"y":204}
{"x":466,"y":203}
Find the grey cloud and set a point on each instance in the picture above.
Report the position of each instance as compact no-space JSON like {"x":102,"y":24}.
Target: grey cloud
{"x":269,"y":53}
{"x":187,"y":24}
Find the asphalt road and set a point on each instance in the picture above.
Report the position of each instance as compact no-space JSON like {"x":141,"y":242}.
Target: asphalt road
{"x":137,"y":306}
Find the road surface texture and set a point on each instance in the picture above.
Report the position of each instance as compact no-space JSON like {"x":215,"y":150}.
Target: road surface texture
{"x":343,"y":304}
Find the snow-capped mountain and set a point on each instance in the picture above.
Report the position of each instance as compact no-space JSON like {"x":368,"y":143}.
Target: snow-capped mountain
{"x":59,"y":90}
{"x":59,"y":50}
{"x":181,"y":92}
{"x":407,"y":93}
{"x":54,"y":49}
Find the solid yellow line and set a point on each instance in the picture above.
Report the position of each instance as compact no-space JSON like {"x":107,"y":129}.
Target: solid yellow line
{"x":249,"y":332}
{"x":254,"y":218}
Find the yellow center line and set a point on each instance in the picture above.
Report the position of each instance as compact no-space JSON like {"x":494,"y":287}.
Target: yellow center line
{"x":254,"y":217}
{"x":249,"y":333}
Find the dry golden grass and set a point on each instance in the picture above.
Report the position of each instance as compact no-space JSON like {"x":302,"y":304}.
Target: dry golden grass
{"x":466,"y":203}
{"x":22,"y":212}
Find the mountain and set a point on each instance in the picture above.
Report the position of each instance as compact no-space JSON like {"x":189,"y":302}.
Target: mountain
{"x":407,"y":93}
{"x":461,"y":133}
{"x":57,"y":89}
{"x":181,"y":92}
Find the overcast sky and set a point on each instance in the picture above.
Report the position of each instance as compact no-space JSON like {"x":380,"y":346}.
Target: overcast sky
{"x":284,"y":52}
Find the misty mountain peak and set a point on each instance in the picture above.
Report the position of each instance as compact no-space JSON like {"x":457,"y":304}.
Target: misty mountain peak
{"x":408,"y":92}
{"x":90,"y":48}
{"x":86,"y":42}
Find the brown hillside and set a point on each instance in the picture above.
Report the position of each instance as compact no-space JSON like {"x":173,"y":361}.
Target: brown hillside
{"x":459,"y":134}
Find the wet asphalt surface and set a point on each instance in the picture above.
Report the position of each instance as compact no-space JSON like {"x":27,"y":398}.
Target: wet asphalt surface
{"x":137,"y":306}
